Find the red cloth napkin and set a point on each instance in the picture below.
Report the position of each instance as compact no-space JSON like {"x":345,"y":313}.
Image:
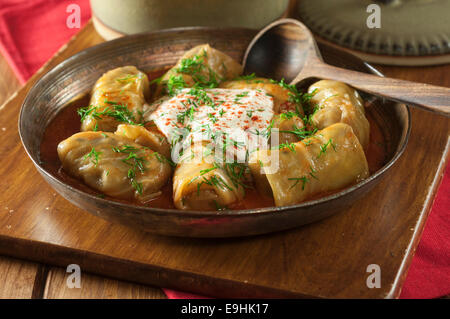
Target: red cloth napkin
{"x":429,"y":274}
{"x":31,"y":31}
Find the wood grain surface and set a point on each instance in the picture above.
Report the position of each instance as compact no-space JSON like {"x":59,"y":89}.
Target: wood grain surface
{"x":326,"y":259}
{"x":96,"y":287}
{"x":8,"y":82}
{"x":17,"y":278}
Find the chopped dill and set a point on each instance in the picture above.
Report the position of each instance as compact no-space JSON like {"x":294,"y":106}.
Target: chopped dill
{"x":323,"y":147}
{"x":93,"y":155}
{"x":136,"y":162}
{"x":297,"y":180}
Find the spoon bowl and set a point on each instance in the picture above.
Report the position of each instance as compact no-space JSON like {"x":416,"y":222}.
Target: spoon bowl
{"x":280,"y":50}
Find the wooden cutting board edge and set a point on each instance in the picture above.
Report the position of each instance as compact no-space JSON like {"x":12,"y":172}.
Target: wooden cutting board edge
{"x":164,"y":277}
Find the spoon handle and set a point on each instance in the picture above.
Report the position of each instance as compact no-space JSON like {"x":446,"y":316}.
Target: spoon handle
{"x":428,"y":97}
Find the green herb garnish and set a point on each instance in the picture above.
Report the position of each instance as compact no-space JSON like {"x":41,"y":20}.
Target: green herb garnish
{"x":93,"y":155}
{"x":114,"y":110}
{"x":136,"y":162}
{"x":323,"y":148}
{"x":127,"y":79}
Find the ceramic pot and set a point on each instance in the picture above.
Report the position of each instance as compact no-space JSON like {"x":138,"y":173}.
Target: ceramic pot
{"x":113,"y":18}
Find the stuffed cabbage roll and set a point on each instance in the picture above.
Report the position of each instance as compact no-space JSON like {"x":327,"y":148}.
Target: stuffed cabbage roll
{"x":199,"y":183}
{"x":280,"y":94}
{"x":203,"y":65}
{"x":290,"y":128}
{"x":114,"y":165}
{"x":330,"y":160}
{"x":117,"y":97}
{"x":151,"y":137}
{"x":339,"y":103}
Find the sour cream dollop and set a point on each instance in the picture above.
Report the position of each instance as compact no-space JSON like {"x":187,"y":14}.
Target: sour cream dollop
{"x":241,"y":116}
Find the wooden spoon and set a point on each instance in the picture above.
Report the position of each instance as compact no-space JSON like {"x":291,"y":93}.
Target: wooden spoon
{"x":286,"y":49}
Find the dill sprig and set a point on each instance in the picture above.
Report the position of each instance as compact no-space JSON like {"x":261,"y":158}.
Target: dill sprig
{"x":290,"y":146}
{"x":287,"y":115}
{"x":114,"y":110}
{"x":196,"y":67}
{"x":189,"y":113}
{"x":297,"y":180}
{"x":136,"y":162}
{"x":295,"y":96}
{"x":127,"y":79}
{"x":162,"y":159}
{"x":235,"y":172}
{"x":300,"y":133}
{"x":323,"y":147}
{"x":247,"y":78}
{"x":93,"y":155}
{"x":214,"y":180}
{"x":303,"y":179}
{"x":174,"y":84}
{"x":267,"y":132}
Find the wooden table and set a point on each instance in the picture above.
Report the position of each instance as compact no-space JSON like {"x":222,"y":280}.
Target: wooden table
{"x":23,"y":279}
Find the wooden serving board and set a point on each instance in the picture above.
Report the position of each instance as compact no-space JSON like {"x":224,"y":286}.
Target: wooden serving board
{"x":325,"y":259}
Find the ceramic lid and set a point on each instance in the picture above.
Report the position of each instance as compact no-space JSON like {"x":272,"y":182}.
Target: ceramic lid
{"x":408,"y":27}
